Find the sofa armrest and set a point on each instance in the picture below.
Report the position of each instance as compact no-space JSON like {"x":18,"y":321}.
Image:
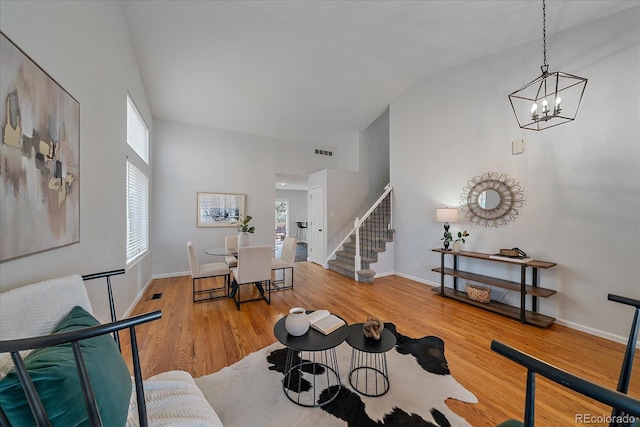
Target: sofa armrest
{"x":174,"y":399}
{"x":534,"y":366}
{"x":34,"y":310}
{"x":15,"y":346}
{"x":112,"y":306}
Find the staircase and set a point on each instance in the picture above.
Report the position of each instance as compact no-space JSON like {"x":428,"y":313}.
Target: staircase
{"x":368,"y":238}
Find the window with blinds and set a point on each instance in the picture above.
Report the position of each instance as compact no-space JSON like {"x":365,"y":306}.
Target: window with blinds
{"x":137,"y":185}
{"x":137,"y":131}
{"x":137,"y":212}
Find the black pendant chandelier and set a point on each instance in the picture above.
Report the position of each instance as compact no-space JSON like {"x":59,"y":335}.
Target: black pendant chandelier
{"x":550,"y":100}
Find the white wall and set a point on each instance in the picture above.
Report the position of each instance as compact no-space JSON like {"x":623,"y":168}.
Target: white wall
{"x":191,"y":159}
{"x":351,"y":193}
{"x":85,"y":47}
{"x":581,"y":179}
{"x":346,"y":195}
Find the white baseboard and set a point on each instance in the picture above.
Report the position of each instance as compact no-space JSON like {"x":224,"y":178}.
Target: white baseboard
{"x":415,"y":279}
{"x":562,"y":322}
{"x":135,"y":301}
{"x":389,"y":273}
{"x":175,"y":274}
{"x":596,"y":332}
{"x":144,"y":288}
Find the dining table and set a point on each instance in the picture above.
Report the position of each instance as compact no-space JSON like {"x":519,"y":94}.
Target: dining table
{"x":222,"y":251}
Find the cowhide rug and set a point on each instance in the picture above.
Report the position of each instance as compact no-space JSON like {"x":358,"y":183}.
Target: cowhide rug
{"x":249,"y":392}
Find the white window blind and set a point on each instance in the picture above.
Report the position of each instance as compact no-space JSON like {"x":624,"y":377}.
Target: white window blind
{"x":137,"y":212}
{"x":137,"y":132}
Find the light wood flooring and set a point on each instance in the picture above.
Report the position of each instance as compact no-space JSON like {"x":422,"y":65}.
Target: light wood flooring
{"x":203,"y":338}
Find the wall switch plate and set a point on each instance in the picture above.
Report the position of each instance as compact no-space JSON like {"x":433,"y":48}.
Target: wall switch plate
{"x":517,"y":146}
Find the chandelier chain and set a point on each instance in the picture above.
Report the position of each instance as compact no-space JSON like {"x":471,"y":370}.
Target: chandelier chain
{"x":544,"y":32}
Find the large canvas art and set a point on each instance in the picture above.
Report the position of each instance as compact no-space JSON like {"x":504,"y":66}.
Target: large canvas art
{"x":39,"y":158}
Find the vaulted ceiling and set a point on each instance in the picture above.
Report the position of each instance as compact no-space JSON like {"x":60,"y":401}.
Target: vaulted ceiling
{"x":317,"y":72}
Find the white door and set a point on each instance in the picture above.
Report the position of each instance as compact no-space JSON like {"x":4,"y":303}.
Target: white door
{"x":316,"y":248}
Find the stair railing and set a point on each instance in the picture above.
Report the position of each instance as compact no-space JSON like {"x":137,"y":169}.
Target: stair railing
{"x":368,"y":226}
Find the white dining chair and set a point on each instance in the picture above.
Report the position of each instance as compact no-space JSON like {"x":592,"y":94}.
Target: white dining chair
{"x":286,"y":261}
{"x":231,"y":245}
{"x":254,"y":268}
{"x":204,"y":271}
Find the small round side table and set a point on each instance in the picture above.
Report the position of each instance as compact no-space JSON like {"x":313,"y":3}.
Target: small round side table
{"x":313,"y":354}
{"x":368,"y":374}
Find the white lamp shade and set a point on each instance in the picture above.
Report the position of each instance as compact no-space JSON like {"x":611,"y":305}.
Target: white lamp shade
{"x":447,"y":215}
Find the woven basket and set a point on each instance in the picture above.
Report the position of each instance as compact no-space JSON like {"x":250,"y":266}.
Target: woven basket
{"x":479,"y":293}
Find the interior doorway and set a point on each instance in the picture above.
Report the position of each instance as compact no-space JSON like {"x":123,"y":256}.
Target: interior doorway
{"x":282,"y":219}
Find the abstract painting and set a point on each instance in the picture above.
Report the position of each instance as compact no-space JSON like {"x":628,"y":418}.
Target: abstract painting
{"x":219,"y":210}
{"x":39,"y":158}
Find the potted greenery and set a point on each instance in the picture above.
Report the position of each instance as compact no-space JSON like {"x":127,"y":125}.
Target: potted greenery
{"x":457,"y":244}
{"x":244,"y":228}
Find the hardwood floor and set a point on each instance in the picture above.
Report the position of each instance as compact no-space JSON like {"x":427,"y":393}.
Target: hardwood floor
{"x":203,"y":338}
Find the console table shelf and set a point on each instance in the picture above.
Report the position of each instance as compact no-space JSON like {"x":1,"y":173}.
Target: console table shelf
{"x":525,"y":316}
{"x":494,"y":281}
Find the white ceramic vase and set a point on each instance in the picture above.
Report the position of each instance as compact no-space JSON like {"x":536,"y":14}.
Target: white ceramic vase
{"x":457,"y":246}
{"x":297,"y":322}
{"x":243,"y":240}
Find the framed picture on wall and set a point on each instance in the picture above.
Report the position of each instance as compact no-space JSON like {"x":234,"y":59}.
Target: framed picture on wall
{"x":40,"y":158}
{"x":219,"y":209}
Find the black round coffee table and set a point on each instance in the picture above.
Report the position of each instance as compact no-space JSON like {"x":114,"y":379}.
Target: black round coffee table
{"x":368,"y":374}
{"x":311,"y":365}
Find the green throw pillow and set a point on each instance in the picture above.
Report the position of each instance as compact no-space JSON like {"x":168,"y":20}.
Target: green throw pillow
{"x":54,"y":373}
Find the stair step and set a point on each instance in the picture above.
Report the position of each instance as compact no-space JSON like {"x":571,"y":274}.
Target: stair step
{"x":350,"y":252}
{"x":342,"y":268}
{"x":343,"y":265}
{"x":371,"y":235}
{"x":346,"y":257}
{"x":374,"y":236}
{"x":366,"y":276}
{"x":346,"y":254}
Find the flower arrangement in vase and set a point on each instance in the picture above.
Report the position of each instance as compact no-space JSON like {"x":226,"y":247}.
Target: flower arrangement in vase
{"x":245,"y":229}
{"x":457,"y":244}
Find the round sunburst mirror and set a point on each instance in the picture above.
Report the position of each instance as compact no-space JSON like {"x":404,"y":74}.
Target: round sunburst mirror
{"x":492,"y":199}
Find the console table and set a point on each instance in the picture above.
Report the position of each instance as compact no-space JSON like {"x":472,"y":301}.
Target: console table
{"x":521,"y":313}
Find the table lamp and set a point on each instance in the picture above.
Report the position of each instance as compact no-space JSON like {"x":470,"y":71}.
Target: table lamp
{"x":446,"y":215}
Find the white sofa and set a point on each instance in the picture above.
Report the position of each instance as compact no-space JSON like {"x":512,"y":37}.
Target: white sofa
{"x":172,"y":398}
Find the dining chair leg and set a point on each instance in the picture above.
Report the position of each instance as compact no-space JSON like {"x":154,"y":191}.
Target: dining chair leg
{"x":269,"y":292}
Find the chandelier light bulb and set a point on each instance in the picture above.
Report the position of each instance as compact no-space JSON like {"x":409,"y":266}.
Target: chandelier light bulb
{"x":558,"y":100}
{"x":545,"y":106}
{"x":534,"y":108}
